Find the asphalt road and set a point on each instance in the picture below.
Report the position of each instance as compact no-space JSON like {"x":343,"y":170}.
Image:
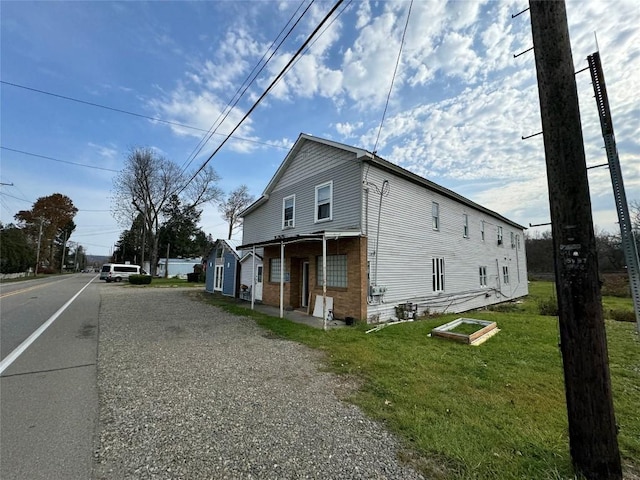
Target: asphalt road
{"x":48,"y":407}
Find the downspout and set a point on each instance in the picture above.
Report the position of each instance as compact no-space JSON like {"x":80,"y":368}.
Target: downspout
{"x":324,"y":282}
{"x":281,"y":279}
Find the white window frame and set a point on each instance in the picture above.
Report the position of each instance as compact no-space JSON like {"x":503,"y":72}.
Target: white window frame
{"x":518,"y":242}
{"x":435,"y":215}
{"x":482,"y":230}
{"x":465,"y":225}
{"x":218,"y":278}
{"x":437,"y":268}
{"x":289,"y":222}
{"x":483,"y":275}
{"x":513,"y":240}
{"x":505,"y":274}
{"x":317,"y":205}
{"x":500,"y":236}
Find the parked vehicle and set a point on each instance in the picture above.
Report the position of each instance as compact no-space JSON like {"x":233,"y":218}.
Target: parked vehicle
{"x":116,"y":272}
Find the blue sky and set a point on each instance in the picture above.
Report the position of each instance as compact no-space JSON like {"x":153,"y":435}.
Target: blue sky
{"x":458,"y":109}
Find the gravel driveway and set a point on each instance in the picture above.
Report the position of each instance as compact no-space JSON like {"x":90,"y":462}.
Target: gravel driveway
{"x":188,"y":391}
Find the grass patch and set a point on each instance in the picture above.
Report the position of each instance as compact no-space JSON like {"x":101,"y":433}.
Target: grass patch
{"x":487,"y":412}
{"x":467,"y":328}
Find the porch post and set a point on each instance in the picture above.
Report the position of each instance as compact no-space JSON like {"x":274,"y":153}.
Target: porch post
{"x":281,"y":279}
{"x":253,"y":277}
{"x":324,"y":281}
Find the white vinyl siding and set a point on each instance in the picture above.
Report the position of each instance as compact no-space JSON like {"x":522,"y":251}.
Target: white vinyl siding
{"x":324,"y":202}
{"x":274,"y":270}
{"x":437,"y":265}
{"x":288,"y":211}
{"x":336,"y":270}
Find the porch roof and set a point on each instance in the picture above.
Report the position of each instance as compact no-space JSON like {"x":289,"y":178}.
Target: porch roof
{"x":282,"y":239}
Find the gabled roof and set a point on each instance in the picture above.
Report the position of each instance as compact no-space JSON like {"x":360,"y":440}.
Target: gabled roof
{"x":372,"y":159}
{"x":302,"y":138}
{"x":231,"y":245}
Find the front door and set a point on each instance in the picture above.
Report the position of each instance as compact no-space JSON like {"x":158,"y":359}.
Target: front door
{"x":305,"y":284}
{"x":258,"y":286}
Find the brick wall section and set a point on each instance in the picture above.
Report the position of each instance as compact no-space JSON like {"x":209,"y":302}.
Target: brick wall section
{"x":347,"y":302}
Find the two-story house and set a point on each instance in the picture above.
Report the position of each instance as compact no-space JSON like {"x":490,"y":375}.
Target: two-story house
{"x":340,"y":223}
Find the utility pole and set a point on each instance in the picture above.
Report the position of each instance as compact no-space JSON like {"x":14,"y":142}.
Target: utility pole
{"x":38,"y":252}
{"x":592,"y":428}
{"x":64,"y":247}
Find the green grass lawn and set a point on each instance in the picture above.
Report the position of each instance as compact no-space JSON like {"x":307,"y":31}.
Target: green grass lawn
{"x":496,"y":411}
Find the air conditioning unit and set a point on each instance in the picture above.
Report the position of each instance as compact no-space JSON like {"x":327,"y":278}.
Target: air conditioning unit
{"x":288,"y":223}
{"x":377,"y":290}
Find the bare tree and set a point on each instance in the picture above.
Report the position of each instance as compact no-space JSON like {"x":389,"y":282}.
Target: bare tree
{"x":230,"y":208}
{"x":145,"y":186}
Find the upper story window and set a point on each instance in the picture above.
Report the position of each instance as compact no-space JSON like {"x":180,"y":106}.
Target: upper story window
{"x":513,"y":240}
{"x":518,"y":242}
{"x":465,"y":225}
{"x":482,"y":230}
{"x":324,"y":202}
{"x":288,"y":211}
{"x":435,"y":215}
{"x":499,"y":235}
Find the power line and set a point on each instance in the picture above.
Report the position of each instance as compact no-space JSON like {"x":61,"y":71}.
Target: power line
{"x":393,"y":79}
{"x":264,"y":94}
{"x":58,"y":160}
{"x":126,"y":112}
{"x":248,"y":81}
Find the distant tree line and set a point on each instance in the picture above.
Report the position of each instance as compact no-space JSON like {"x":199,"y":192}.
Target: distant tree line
{"x":609,"y":247}
{"x":39,"y":238}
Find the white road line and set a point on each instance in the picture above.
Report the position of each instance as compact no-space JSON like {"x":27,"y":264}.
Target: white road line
{"x":12,"y":357}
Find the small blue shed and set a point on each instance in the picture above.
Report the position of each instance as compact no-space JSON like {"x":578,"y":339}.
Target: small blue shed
{"x":223,"y":268}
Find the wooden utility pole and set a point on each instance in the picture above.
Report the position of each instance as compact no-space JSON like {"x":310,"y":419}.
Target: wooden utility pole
{"x":592,"y":427}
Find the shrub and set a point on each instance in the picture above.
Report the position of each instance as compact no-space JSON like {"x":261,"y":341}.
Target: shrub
{"x":548,"y":306}
{"x":139,"y":279}
{"x":615,"y":285}
{"x":622,"y":315}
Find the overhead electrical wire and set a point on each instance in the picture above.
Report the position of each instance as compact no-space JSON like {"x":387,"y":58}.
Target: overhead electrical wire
{"x":264,"y":94}
{"x":248,"y":81}
{"x":386,"y":105}
{"x":126,"y":112}
{"x":58,"y":160}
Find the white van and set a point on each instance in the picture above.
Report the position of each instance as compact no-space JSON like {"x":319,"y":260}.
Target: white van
{"x":116,"y":272}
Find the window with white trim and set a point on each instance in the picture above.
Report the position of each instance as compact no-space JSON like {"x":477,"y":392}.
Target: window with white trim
{"x":465,"y":225}
{"x":274,"y":269}
{"x":483,"y":276}
{"x":336,"y":270}
{"x":518,"y":242}
{"x":435,"y":215}
{"x":482,"y":230}
{"x":437,"y":265}
{"x":499,"y":235}
{"x":513,"y":240}
{"x":505,"y":275}
{"x":288,"y":211}
{"x":324,"y":202}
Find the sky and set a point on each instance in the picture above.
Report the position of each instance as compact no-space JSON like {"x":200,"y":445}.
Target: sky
{"x":459,"y":105}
